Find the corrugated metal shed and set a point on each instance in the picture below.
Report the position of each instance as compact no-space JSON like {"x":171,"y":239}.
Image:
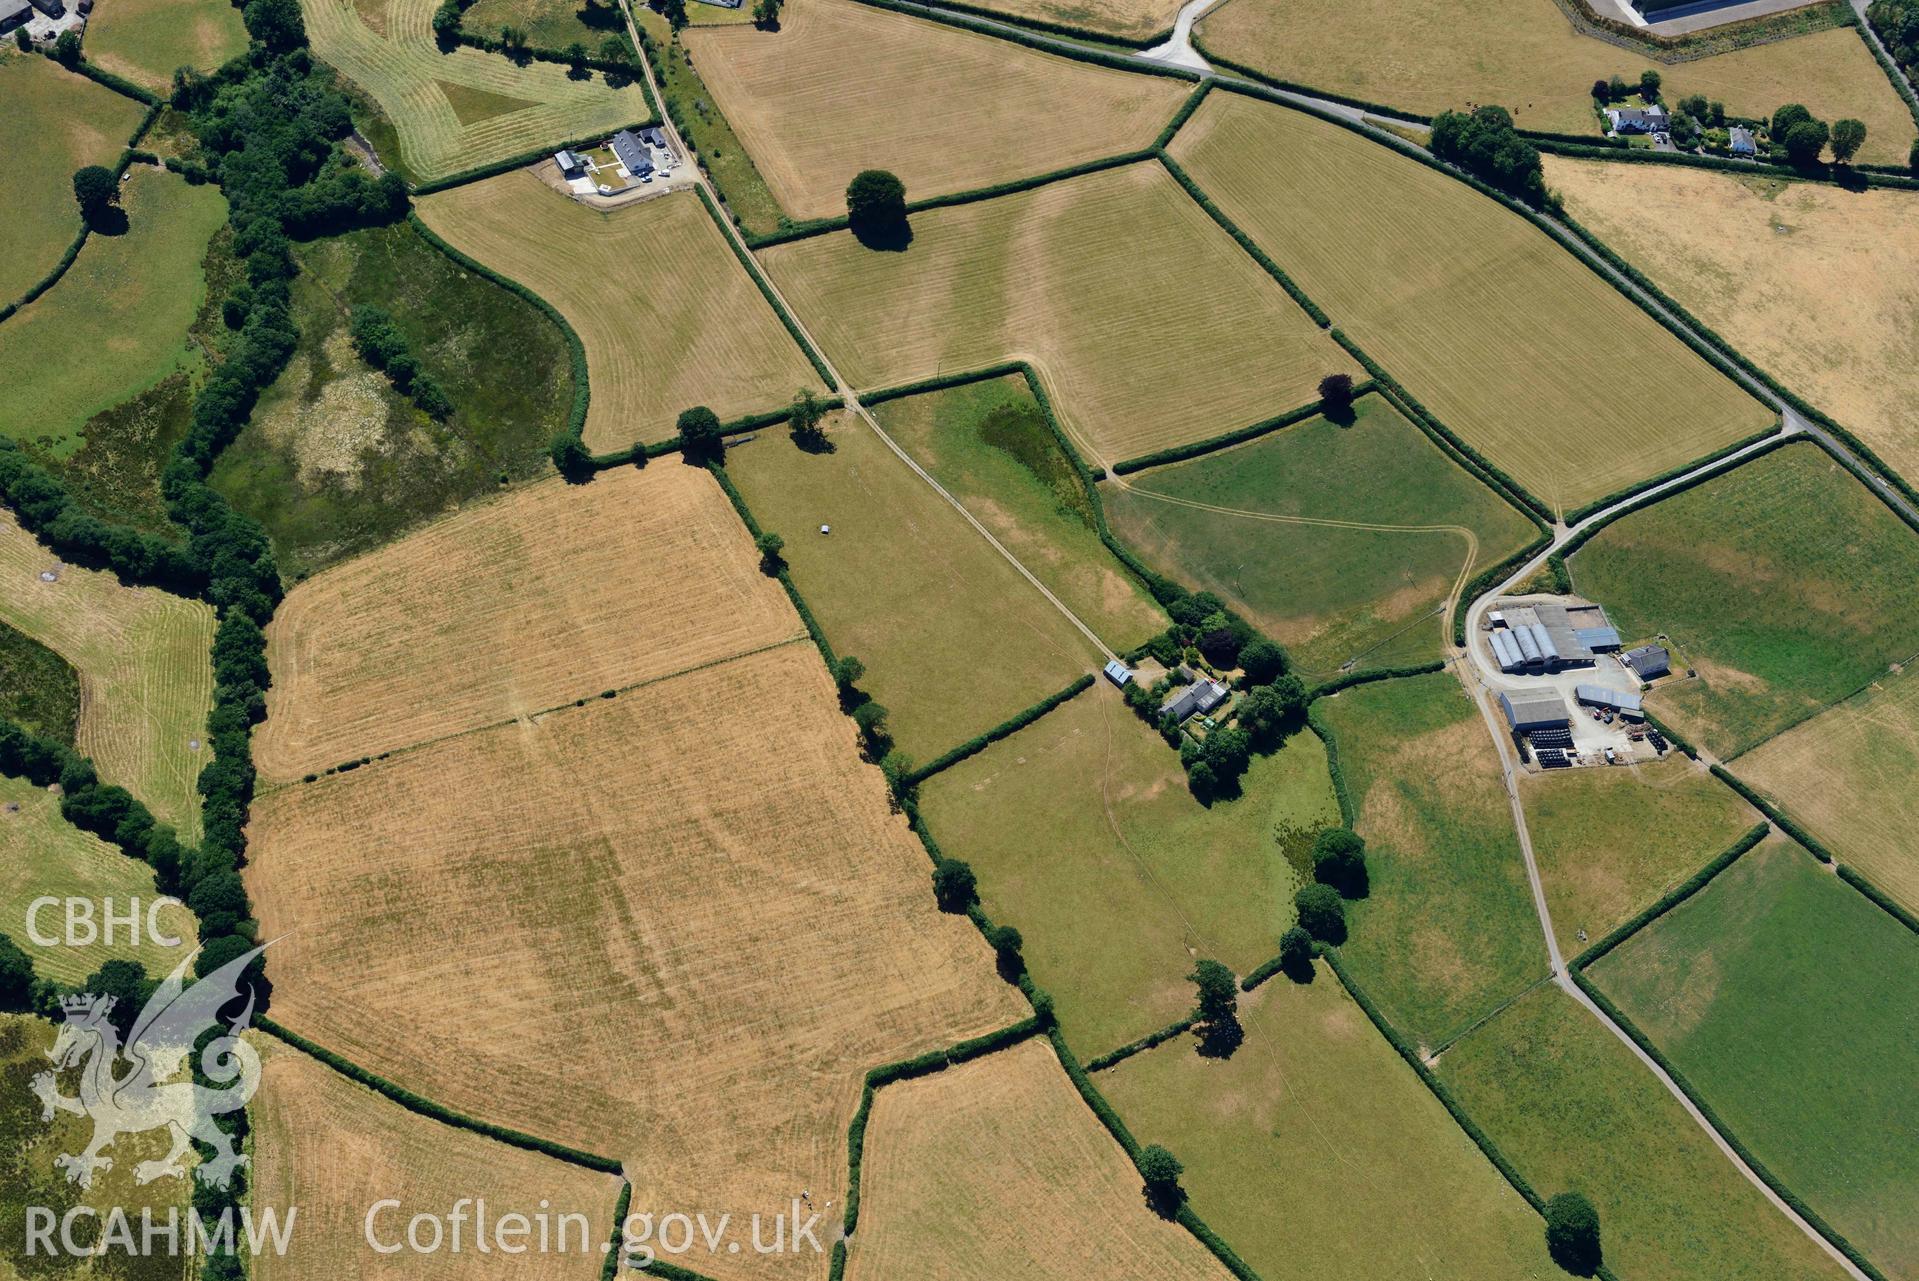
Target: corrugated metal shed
{"x":1528,"y":644}
{"x":1600,"y":696}
{"x":1505,"y":651}
{"x":1528,"y":711}
{"x":1598,"y":638}
{"x":1547,"y":649}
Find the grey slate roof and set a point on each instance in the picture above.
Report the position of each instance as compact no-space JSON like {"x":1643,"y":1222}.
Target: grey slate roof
{"x":632,"y":153}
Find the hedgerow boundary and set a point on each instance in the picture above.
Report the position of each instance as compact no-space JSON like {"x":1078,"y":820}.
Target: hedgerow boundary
{"x":1112,"y":1058}
{"x":1046,"y":26}
{"x":494,"y":168}
{"x":1005,"y":729}
{"x":1674,"y":897}
{"x":1034,"y":37}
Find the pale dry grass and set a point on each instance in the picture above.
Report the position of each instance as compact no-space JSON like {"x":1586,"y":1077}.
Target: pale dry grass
{"x":843,"y":87}
{"x":144,"y":40}
{"x":997,"y":1169}
{"x":1135,"y":19}
{"x":1508,"y":339}
{"x":146,"y":672}
{"x":1524,"y":55}
{"x":675,"y":928}
{"x":1135,"y":359}
{"x":330,"y":1148}
{"x":549,"y":594}
{"x":668,"y":316}
{"x":1819,"y":286}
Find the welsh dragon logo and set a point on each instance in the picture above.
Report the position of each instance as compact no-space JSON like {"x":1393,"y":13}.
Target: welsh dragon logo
{"x":143,"y":1096}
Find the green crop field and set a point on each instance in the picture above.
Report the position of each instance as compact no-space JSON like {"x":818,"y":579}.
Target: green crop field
{"x":1787,"y":998}
{"x":1448,"y":932}
{"x":1575,"y":1110}
{"x":1315,"y":1152}
{"x":953,"y":639}
{"x":990,"y":446}
{"x":456,"y":110}
{"x":1132,"y":878}
{"x":1786,"y":584}
{"x":1342,"y":542}
{"x":1512,"y":342}
{"x":1134,"y":361}
{"x":146,"y":40}
{"x":38,"y":689}
{"x":1610,"y":842}
{"x":127,"y":302}
{"x":58,"y":121}
{"x":334,"y":461}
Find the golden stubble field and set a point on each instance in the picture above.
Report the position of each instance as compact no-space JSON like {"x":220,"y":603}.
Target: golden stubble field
{"x":843,"y":87}
{"x":551,"y":593}
{"x":146,"y":671}
{"x":1509,"y":340}
{"x":1819,"y":286}
{"x":997,"y":1168}
{"x":668,"y":316}
{"x":1136,"y":358}
{"x":675,"y":927}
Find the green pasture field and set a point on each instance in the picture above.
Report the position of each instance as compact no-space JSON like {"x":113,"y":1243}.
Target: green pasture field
{"x":1132,"y":878}
{"x":334,"y":461}
{"x":1507,"y":338}
{"x":1316,"y":1152}
{"x":146,"y":40}
{"x":38,"y":689}
{"x":1610,"y":842}
{"x":1785,"y":582}
{"x":741,"y":187}
{"x":1448,"y":932}
{"x":1787,"y":998}
{"x":548,"y":24}
{"x":989,"y":444}
{"x":953,"y":639}
{"x":57,"y":122}
{"x":1337,"y":540}
{"x":1574,"y":1109}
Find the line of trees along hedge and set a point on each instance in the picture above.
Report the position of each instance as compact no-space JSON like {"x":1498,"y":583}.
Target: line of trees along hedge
{"x":1005,"y":729}
{"x":1180,"y":453}
{"x":382,"y":345}
{"x":1778,"y":817}
{"x":1673,"y":898}
{"x":1854,"y":176}
{"x":616,"y":1239}
{"x":1369,"y":675}
{"x":1099,"y":1063}
{"x":1244,"y":241}
{"x":1857,"y":879}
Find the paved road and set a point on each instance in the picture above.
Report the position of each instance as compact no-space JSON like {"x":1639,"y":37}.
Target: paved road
{"x":1179,"y":49}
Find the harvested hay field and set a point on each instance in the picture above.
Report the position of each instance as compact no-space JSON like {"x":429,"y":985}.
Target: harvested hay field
{"x":1785,"y":583}
{"x":1572,"y":1106}
{"x":1134,"y":361}
{"x":146,"y":671}
{"x":1851,"y":775}
{"x":668,"y":316}
{"x":1343,"y":541}
{"x":1316,"y":1152}
{"x":550,"y":594}
{"x":1525,"y":56}
{"x":695,"y":891}
{"x":1505,"y":336}
{"x":1448,"y":932}
{"x":458,"y":110}
{"x":331,"y":1148}
{"x":954,"y":640}
{"x":1126,"y":842}
{"x":997,"y":1168}
{"x":1611,"y":842}
{"x":1817,"y":285}
{"x":43,"y":854}
{"x":945,"y":109}
{"x":1126,"y":19}
{"x":59,"y":121}
{"x":145,"y":40}
{"x":1788,"y":999}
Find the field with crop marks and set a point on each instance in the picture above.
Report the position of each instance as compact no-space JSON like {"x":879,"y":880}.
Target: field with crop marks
{"x":996,"y":1168}
{"x":1337,"y":539}
{"x":331,"y":1149}
{"x":1513,"y":343}
{"x":954,"y":640}
{"x":456,"y":110}
{"x":668,"y":316}
{"x":1134,"y":360}
{"x":1789,"y":1000}
{"x":1133,"y":878}
{"x":126,"y":302}
{"x":1569,"y":1103}
{"x":1815,"y":284}
{"x":1785,"y":583}
{"x":1525,"y":56}
{"x":549,"y":594}
{"x":59,"y":121}
{"x":1610,"y":842}
{"x":146,"y":680}
{"x":1851,"y":775}
{"x":990,"y":445}
{"x":694,"y":895}
{"x":983,"y":111}
{"x":1448,"y":932}
{"x":1315,"y":1152}
{"x":146,"y":40}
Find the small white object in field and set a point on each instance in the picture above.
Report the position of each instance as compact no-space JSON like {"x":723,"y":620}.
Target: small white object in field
{"x":826,"y":529}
